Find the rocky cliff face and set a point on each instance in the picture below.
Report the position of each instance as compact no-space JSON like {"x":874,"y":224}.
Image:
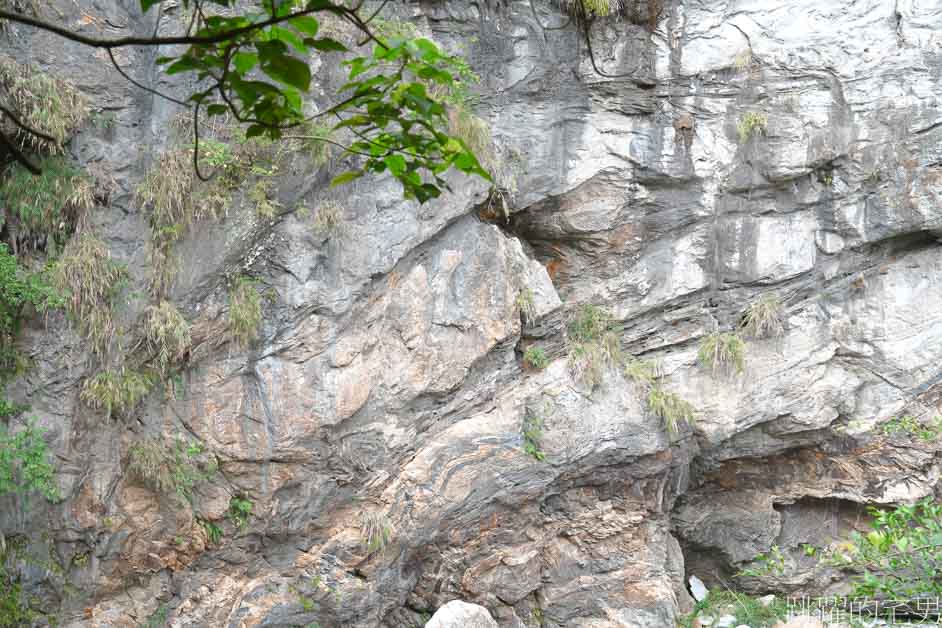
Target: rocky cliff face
{"x":738,"y":150}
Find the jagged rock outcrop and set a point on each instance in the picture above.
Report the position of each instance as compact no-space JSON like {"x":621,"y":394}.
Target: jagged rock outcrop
{"x":786,"y":147}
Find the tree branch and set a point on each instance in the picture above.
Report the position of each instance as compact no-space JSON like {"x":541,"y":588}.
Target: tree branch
{"x":140,"y":85}
{"x":121,"y":42}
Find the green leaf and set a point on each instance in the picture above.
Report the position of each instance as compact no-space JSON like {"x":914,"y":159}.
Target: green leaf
{"x":244,"y":61}
{"x":283,"y":34}
{"x":305,"y":24}
{"x":255,"y":130}
{"x":286,"y":70}
{"x":326,"y":44}
{"x":346,"y":177}
{"x":396,"y":164}
{"x":147,"y":4}
{"x":216,"y":110}
{"x":184,"y":64}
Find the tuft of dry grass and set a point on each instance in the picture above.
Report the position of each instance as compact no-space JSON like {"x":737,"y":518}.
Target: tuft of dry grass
{"x":117,"y":392}
{"x":329,"y":219}
{"x":166,"y":334}
{"x":44,"y":102}
{"x":722,"y":351}
{"x":49,"y":204}
{"x":376,"y":531}
{"x":245,"y":312}
{"x":89,"y":279}
{"x":764,"y":318}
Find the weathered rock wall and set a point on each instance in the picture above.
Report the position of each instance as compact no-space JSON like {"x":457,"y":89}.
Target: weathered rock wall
{"x":388,"y":378}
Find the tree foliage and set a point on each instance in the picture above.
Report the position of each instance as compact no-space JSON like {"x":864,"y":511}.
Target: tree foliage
{"x":254,"y":64}
{"x":900,"y":557}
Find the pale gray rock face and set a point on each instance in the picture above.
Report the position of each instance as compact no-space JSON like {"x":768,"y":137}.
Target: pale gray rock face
{"x":388,"y":380}
{"x":458,"y":614}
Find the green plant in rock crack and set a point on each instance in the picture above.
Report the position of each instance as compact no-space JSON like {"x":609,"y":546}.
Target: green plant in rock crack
{"x":535,"y":358}
{"x":751,"y":124}
{"x":20,"y":291}
{"x":925,"y":431}
{"x":531,"y":430}
{"x":213,"y":531}
{"x":526,"y":304}
{"x":44,"y":102}
{"x":594,"y":346}
{"x":768,"y":563}
{"x":245,"y":312}
{"x":668,"y":406}
{"x":240,"y":510}
{"x":42,"y":211}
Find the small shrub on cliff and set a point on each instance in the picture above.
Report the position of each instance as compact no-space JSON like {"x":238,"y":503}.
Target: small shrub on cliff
{"x":376,"y":531}
{"x":764,"y":318}
{"x":751,"y":124}
{"x":166,"y":334}
{"x":46,"y":205}
{"x":532,"y":432}
{"x":722,"y":351}
{"x":117,"y":392}
{"x":909,"y":425}
{"x":245,"y":312}
{"x":19,"y":289}
{"x":24,"y":463}
{"x":14,"y":607}
{"x":535,"y":358}
{"x":89,"y":279}
{"x":261,"y":196}
{"x":240,"y":509}
{"x":768,"y":563}
{"x":170,"y":467}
